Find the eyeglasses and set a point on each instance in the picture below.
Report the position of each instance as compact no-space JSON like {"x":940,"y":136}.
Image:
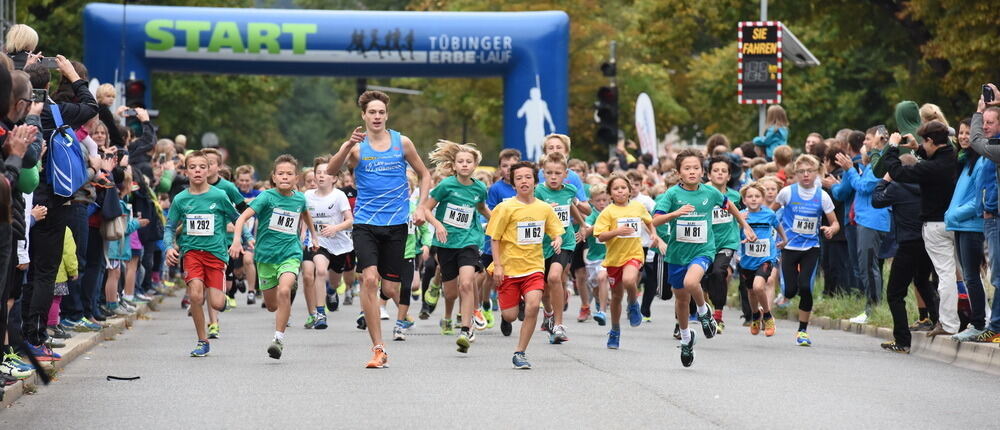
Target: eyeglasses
{"x":30,"y":101}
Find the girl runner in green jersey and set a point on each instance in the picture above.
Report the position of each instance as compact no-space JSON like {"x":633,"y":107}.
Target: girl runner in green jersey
{"x":727,"y":237}
{"x":454,"y":204}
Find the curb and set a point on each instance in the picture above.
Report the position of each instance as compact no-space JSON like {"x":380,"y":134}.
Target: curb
{"x":75,"y":348}
{"x":980,"y":357}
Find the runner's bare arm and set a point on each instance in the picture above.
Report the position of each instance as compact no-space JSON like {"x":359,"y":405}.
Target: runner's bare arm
{"x":751,"y":235}
{"x":417,"y":164}
{"x":348,"y":153}
{"x":484,"y":210}
{"x":237,"y":246}
{"x":427,"y":209}
{"x":307,"y":219}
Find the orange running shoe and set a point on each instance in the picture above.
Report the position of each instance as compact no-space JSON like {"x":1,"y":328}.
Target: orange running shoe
{"x":769,"y":327}
{"x":379,"y":360}
{"x":755,"y":327}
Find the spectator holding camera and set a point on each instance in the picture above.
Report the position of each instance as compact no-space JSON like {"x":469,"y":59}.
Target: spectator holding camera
{"x":21,"y":41}
{"x":140,"y":146}
{"x":985,"y":125}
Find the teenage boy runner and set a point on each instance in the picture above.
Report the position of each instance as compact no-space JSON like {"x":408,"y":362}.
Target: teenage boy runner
{"x":236,"y":199}
{"x":202,"y":211}
{"x":561,"y":196}
{"x":279,"y":249}
{"x":688,"y":209}
{"x":379,"y":158}
{"x":516,"y":228}
{"x":727,"y":237}
{"x":500,"y":190}
{"x":332,"y":218}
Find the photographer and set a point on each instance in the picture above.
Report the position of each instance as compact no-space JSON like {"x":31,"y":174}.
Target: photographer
{"x":140,"y":146}
{"x":985,"y":125}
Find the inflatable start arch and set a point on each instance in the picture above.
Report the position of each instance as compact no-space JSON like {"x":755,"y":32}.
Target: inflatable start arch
{"x":530,"y":50}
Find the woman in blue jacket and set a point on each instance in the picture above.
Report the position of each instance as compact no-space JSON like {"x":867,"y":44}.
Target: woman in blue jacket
{"x":962,"y":218}
{"x":777,"y":131}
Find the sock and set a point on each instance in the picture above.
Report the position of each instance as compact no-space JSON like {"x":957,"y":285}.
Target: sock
{"x":465,"y":329}
{"x":321,"y":310}
{"x":487,"y":305}
{"x":767,"y":315}
{"x":703,"y":308}
{"x":756,"y":316}
{"x":616,"y":327}
{"x":923,"y":313}
{"x":279,"y":335}
{"x":686,"y":335}
{"x":803,"y":325}
{"x":548,"y":314}
{"x":113,"y":305}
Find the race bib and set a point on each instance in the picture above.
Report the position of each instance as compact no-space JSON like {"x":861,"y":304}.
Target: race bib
{"x":530,"y":232}
{"x":562,"y":211}
{"x":632,"y":222}
{"x":410,"y":228}
{"x":200,"y":225}
{"x":758,"y":249}
{"x":283,"y":221}
{"x":458,"y":216}
{"x":721,"y":216}
{"x":805,"y":224}
{"x":318,"y":227}
{"x":650,"y":256}
{"x":692,"y":231}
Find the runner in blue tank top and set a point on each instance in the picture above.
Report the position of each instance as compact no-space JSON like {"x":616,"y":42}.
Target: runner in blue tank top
{"x":379,"y":158}
{"x":805,"y":204}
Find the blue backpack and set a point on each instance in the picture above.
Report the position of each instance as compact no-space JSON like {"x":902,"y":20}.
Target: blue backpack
{"x":65,"y":166}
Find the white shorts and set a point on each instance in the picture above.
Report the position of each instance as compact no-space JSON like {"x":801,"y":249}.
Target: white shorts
{"x":593,"y":269}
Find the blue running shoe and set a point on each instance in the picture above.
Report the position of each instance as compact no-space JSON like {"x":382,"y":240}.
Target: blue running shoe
{"x":90,"y":325}
{"x":601,"y":318}
{"x":319,"y":323}
{"x":521,"y":361}
{"x":201,"y":350}
{"x":404,"y":324}
{"x":802,"y":339}
{"x":614,"y":339}
{"x":634,"y":317}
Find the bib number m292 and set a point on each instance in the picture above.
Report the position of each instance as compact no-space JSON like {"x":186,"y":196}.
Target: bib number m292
{"x":200,"y":224}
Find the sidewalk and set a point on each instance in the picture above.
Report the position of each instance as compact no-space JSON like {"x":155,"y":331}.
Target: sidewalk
{"x":76,"y":347}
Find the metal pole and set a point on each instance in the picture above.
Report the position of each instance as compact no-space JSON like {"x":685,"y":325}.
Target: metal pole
{"x":614,"y":86}
{"x":761,"y":109}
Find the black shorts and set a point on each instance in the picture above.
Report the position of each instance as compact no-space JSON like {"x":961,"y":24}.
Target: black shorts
{"x":343,"y":262}
{"x":564,"y":257}
{"x":308,"y":254}
{"x":405,"y":285}
{"x":380,"y":246}
{"x":485,"y":260}
{"x":450,"y":259}
{"x":578,"y":263}
{"x":234,"y":263}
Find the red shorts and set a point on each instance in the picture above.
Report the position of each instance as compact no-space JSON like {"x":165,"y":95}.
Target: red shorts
{"x":205,"y":267}
{"x":615,"y":273}
{"x":511,"y":290}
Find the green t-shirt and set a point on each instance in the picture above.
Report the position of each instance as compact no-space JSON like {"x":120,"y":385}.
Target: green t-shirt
{"x":691,"y":236}
{"x":457,"y":209}
{"x":278,"y":219}
{"x":726,"y":229}
{"x":561,"y":200}
{"x":415,"y":236}
{"x":203,"y":218}
{"x":233,"y":194}
{"x":662,"y":230}
{"x":596,"y":251}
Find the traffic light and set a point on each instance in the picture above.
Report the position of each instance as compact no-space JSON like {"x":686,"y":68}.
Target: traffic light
{"x":606,"y":115}
{"x":362,"y":86}
{"x":135,"y":93}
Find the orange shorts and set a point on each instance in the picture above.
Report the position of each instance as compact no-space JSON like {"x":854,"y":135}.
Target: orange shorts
{"x":511,"y":290}
{"x":205,"y":267}
{"x":615,"y":273}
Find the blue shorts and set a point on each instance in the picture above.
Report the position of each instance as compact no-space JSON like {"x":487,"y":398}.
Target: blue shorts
{"x":677,"y":272}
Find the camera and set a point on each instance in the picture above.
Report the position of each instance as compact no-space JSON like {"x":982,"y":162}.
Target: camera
{"x":39,"y":96}
{"x":987,"y":93}
{"x":49,"y":62}
{"x":130,"y":112}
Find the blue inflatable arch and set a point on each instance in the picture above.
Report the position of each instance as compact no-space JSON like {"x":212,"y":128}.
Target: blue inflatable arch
{"x":529,"y":50}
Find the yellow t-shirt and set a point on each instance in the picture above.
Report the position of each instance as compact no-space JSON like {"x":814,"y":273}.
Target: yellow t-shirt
{"x":621,"y":249}
{"x":520,"y":229}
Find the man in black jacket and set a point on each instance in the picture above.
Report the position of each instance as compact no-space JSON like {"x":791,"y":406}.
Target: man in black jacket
{"x":911,"y":262}
{"x":936,"y":177}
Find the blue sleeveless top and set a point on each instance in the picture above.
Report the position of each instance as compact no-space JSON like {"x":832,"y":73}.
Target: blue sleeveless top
{"x":383,"y":190}
{"x":802,"y":218}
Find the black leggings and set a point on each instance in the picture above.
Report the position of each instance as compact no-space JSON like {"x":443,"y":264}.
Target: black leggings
{"x":798,"y":268}
{"x":655,"y":280}
{"x":911,"y":264}
{"x":714,"y":283}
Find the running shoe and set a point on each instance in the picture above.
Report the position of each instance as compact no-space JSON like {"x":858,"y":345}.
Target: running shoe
{"x":382,"y":314}
{"x":230,"y":303}
{"x":769,"y":326}
{"x":755,"y":327}
{"x":464,"y":341}
{"x":43,"y":353}
{"x":547,"y":322}
{"x":677,"y":331}
{"x":968,"y":335}
{"x":647,"y":320}
{"x":584,"y":315}
{"x":58,"y":332}
{"x":142,"y":298}
{"x":719,"y":326}
{"x":558,"y":335}
{"x":601,"y":318}
{"x":634,"y":316}
{"x":54,"y":343}
{"x":310,"y":321}
{"x":90,"y":325}
{"x":251,"y":299}
{"x":12,"y":370}
{"x":348,"y":297}
{"x":505,"y":327}
{"x":922,"y":325}
{"x":746,"y":323}
{"x":892,"y":346}
{"x":405,"y":324}
{"x":213,"y":331}
{"x":490,"y":319}
{"x":446,"y":327}
{"x":398,"y":333}
{"x":120,"y":311}
{"x":362,"y":324}
{"x":862,"y":318}
{"x":432,"y":294}
{"x":988,"y":336}
{"x":424,"y":313}
{"x":201,"y":350}
{"x":687,"y":351}
{"x":520,"y":311}
{"x":319,"y":323}
{"x":520,"y":361}
{"x":274,"y":351}
{"x":614,"y":339}
{"x":478,"y":320}
{"x":802,"y":339}
{"x":185,"y":302}
{"x":380,"y":360}
{"x":332,"y":302}
{"x":708,"y":324}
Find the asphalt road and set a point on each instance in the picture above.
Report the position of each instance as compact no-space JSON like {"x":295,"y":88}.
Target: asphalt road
{"x":737,"y":381}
